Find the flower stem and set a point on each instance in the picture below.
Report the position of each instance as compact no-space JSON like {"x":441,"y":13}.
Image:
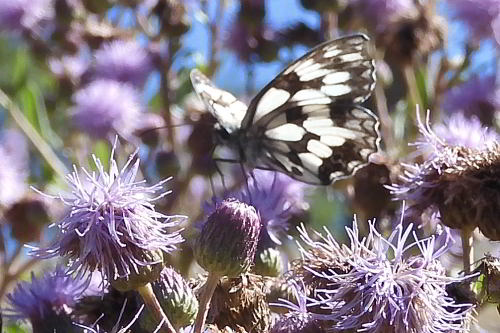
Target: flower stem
{"x":155,"y":308}
{"x":45,"y":150}
{"x":468,"y":250}
{"x":206,"y":296}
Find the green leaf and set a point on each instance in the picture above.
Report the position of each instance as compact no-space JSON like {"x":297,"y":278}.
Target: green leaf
{"x":14,"y":328}
{"x":102,"y":151}
{"x":326,"y":211}
{"x":20,"y":67}
{"x":28,"y":105}
{"x":421,"y":77}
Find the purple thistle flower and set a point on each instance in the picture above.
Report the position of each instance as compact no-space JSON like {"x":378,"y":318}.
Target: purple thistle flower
{"x":45,"y":300}
{"x":459,"y":130}
{"x":275,"y":196}
{"x":480,"y":16}
{"x":70,"y":66}
{"x":112,"y":225}
{"x":123,"y":60}
{"x":298,"y":319}
{"x":105,"y":106}
{"x":30,"y":15}
{"x":479,"y":96}
{"x":372,"y":285}
{"x":14,"y":168}
{"x":458,"y":181}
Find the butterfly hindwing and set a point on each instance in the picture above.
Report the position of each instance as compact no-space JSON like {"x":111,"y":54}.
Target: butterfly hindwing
{"x":323,"y":144}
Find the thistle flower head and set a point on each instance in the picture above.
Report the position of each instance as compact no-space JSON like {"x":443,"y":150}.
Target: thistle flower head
{"x":228,"y":240}
{"x":480,"y":16}
{"x":459,"y":182}
{"x":479,"y":96}
{"x":26,"y":15}
{"x":373,"y":285}
{"x":112,"y":225}
{"x":276,"y":197}
{"x":176,"y":298}
{"x":460,"y":130}
{"x":45,"y":300}
{"x":123,"y":60}
{"x":106,"y":107}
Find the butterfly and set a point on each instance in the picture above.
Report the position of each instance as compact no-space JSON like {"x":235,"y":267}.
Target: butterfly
{"x":307,"y":122}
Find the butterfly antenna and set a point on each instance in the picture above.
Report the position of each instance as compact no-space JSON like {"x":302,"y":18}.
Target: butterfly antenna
{"x":243,"y":171}
{"x":149,"y":130}
{"x":219,"y":171}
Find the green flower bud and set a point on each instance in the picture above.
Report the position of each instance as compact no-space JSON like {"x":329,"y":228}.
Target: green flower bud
{"x":228,"y":239}
{"x":176,"y":298}
{"x":146,"y":274}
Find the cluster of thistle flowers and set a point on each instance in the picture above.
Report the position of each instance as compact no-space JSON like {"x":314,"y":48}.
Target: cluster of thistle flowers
{"x":112,"y":230}
{"x":370,"y":284}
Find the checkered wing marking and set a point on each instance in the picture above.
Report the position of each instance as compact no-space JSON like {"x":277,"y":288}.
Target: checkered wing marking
{"x":319,"y":144}
{"x":340,"y":71}
{"x":227,"y":109}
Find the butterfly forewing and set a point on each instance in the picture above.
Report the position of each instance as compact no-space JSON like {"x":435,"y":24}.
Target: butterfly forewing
{"x":306,"y":122}
{"x":337,"y":71}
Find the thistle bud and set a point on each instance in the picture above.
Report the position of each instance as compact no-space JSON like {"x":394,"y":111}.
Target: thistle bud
{"x":143,"y":275}
{"x":228,"y":239}
{"x":176,"y":298}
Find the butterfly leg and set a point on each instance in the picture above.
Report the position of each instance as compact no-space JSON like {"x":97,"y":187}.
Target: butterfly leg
{"x":219,"y":171}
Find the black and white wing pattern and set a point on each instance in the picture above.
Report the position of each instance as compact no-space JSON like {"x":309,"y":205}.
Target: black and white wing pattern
{"x":307,"y":122}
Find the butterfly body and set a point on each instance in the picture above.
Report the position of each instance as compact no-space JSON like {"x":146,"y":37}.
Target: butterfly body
{"x":307,"y":122}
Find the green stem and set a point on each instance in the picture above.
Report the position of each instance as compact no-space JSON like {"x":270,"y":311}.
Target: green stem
{"x":35,"y":138}
{"x":154,"y":307}
{"x":206,"y":297}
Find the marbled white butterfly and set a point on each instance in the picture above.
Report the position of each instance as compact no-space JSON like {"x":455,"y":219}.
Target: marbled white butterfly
{"x":307,"y":122}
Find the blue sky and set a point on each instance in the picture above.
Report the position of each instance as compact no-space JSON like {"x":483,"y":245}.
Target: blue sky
{"x":231,"y":74}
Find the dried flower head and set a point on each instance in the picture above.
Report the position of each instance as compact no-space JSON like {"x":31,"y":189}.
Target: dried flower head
{"x":112,"y":225}
{"x":45,"y":301}
{"x":414,"y":34}
{"x":382,"y":13}
{"x":461,"y":183}
{"x":228,"y":240}
{"x":241,"y":301}
{"x":373,"y":285}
